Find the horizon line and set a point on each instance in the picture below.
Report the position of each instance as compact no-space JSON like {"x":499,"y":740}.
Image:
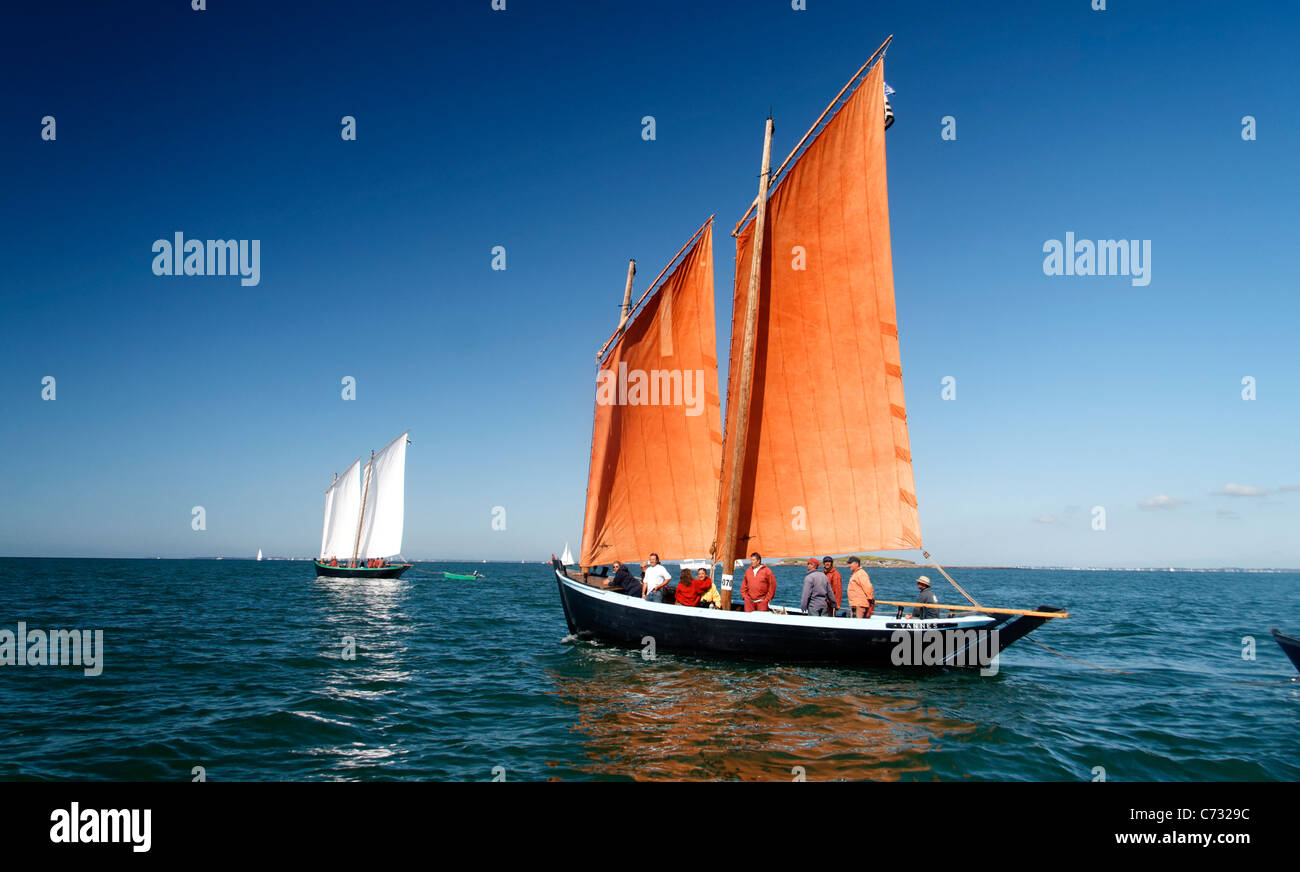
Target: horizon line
{"x":1025,"y":566}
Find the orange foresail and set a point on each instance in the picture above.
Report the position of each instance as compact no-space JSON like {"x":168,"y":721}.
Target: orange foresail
{"x":656,"y":448}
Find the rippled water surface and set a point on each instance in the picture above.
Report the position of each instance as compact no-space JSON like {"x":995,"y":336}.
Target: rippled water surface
{"x":238,"y":667}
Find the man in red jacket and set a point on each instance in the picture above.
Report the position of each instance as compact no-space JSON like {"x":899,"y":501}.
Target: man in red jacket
{"x":837,"y":583}
{"x":759,"y":585}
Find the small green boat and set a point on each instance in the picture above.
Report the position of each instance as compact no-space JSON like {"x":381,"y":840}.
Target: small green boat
{"x":460,"y":577}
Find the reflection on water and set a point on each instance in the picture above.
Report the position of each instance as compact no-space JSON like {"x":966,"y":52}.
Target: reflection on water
{"x":681,"y":718}
{"x":375,"y":597}
{"x":372,"y":612}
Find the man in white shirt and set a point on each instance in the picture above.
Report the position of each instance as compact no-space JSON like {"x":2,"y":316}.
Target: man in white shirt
{"x":654,"y":579}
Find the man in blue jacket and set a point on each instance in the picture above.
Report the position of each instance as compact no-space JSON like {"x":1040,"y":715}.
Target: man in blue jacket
{"x":625,"y":581}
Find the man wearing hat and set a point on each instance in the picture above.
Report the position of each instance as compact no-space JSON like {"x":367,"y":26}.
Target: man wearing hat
{"x":816,"y":590}
{"x":925,"y":595}
{"x":837,"y":584}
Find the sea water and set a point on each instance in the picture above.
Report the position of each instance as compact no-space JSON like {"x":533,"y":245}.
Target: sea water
{"x":239,"y":670}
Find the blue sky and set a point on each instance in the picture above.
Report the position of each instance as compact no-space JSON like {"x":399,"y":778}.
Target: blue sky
{"x":523,"y":129}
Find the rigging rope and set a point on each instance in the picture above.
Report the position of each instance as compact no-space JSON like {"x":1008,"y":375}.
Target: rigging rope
{"x":927,"y":556}
{"x":1080,"y":662}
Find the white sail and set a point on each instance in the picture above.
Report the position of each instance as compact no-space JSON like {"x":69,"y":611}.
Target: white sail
{"x":567,"y":558}
{"x":259,"y":553}
{"x":385,"y":495}
{"x":342,"y":511}
{"x":329,"y":511}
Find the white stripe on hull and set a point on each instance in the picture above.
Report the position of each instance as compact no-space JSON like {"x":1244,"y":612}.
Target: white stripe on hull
{"x":876,"y":622}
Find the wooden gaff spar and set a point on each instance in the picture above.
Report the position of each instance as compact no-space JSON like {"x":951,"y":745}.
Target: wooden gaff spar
{"x":813,"y":263}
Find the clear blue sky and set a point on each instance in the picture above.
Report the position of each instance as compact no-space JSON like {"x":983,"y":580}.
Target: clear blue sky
{"x":523,"y":129}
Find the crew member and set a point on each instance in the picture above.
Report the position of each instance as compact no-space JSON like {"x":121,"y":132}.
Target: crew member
{"x":624,"y":580}
{"x":862,"y":596}
{"x":654,"y":578}
{"x":925,"y":595}
{"x":837,"y":584}
{"x":816,"y":590}
{"x":759,"y":585}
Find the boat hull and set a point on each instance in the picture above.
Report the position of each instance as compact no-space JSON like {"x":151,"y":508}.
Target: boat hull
{"x":616,"y":618}
{"x":1289,"y":645}
{"x":393,"y":571}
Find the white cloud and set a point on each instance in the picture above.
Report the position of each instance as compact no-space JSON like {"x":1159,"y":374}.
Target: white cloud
{"x":1046,"y":519}
{"x":1289,"y":488}
{"x":1161,"y":501}
{"x":1240,"y":490}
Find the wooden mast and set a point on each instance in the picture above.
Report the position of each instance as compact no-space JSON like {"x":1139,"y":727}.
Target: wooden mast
{"x":364,"y":493}
{"x":627,"y":295}
{"x":745,"y":382}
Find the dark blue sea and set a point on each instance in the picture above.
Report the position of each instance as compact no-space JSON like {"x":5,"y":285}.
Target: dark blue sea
{"x":238,"y":667}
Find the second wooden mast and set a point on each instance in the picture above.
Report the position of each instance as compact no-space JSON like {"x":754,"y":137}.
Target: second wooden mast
{"x":356,"y":549}
{"x":729,"y":502}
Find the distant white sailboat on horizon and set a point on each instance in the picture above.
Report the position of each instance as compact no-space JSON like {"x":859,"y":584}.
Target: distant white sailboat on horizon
{"x":567,"y":557}
{"x":259,"y":553}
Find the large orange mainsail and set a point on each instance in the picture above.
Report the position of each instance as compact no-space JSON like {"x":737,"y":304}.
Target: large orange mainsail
{"x":656,"y":447}
{"x":827,"y":465}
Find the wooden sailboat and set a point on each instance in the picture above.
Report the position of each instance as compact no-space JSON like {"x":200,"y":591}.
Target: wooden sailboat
{"x":815,"y":458}
{"x":365,"y":512}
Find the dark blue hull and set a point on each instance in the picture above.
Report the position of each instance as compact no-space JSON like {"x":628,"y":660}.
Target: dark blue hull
{"x":1289,"y":645}
{"x":393,"y":571}
{"x":628,"y":622}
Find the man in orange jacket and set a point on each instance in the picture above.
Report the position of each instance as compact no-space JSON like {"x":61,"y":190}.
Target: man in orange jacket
{"x":862,"y":596}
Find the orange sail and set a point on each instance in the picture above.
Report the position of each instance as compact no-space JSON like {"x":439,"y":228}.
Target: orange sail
{"x":656,"y":447}
{"x":827,"y":466}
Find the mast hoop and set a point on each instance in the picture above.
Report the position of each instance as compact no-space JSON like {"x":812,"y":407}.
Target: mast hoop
{"x":654,"y":286}
{"x":828,"y":114}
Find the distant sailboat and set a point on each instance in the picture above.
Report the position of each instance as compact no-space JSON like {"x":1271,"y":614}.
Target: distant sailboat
{"x":259,"y":553}
{"x":663,"y":481}
{"x":365,"y":510}
{"x":567,"y":557}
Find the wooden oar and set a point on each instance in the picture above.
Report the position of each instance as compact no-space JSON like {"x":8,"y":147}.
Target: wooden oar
{"x":1031,"y":614}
